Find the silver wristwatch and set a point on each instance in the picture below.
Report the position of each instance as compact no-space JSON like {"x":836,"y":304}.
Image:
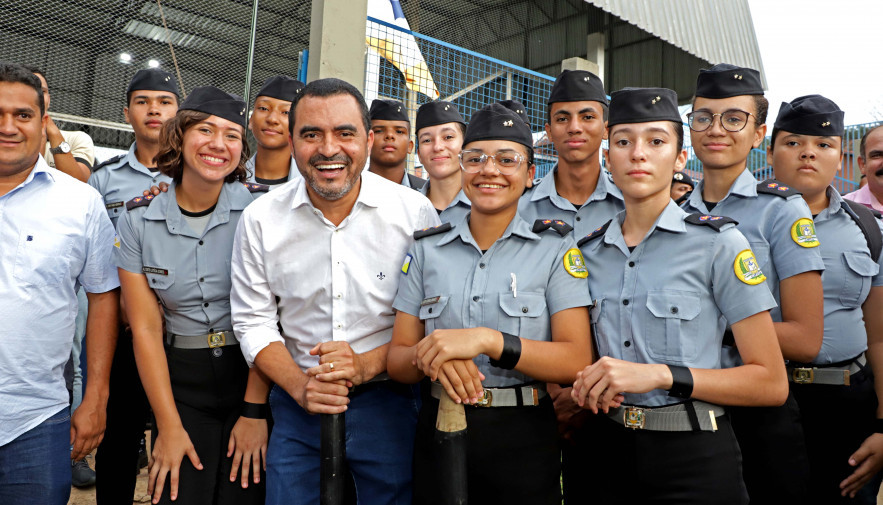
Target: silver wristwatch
{"x":62,"y":148}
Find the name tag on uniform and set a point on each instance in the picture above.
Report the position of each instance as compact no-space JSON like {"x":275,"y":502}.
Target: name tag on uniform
{"x":113,"y":205}
{"x":430,"y":301}
{"x":154,"y":270}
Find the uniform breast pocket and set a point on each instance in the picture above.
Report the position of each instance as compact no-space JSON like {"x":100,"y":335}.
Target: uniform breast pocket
{"x":41,"y":259}
{"x":524,"y":316}
{"x":860,"y":268}
{"x":670,"y":334}
{"x":598,"y":332}
{"x":430,"y":311}
{"x":161,"y":281}
{"x":114,"y":209}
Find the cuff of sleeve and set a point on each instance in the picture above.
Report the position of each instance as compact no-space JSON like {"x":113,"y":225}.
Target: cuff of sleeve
{"x":254,"y":340}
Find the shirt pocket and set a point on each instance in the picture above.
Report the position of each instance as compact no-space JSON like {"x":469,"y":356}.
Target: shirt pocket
{"x":524,"y":316}
{"x":670,"y":333}
{"x":860,"y":269}
{"x":160,"y":282}
{"x":41,"y":258}
{"x":430,"y":310}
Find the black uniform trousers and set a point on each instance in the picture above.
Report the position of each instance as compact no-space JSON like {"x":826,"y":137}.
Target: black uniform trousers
{"x":836,"y":420}
{"x":208,"y":387}
{"x":661,"y":467}
{"x":512,"y":454}
{"x":127,"y":414}
{"x":775,"y":463}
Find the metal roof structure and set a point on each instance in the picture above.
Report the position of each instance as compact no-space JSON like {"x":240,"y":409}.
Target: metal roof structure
{"x":713,"y":30}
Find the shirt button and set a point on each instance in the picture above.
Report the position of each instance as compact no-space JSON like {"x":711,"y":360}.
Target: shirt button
{"x":338,"y":326}
{"x":579,"y":218}
{"x":625,"y":302}
{"x":205,"y":304}
{"x":674,"y":310}
{"x":153,"y":281}
{"x":430,"y":310}
{"x":200,"y":242}
{"x":631,"y":263}
{"x":476,"y":298}
{"x":524,"y":310}
{"x":627,"y":343}
{"x":481,"y":265}
{"x":339,"y":296}
{"x":202,"y":279}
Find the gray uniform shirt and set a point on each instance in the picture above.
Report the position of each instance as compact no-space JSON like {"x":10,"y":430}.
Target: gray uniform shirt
{"x":456,"y":210}
{"x":121,"y":179}
{"x":450,"y":283}
{"x":849,"y":274}
{"x":544,"y":202}
{"x":249,"y":168}
{"x":646,"y":311}
{"x":189,"y":272}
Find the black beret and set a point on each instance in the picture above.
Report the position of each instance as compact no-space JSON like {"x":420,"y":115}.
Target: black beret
{"x":724,"y":80}
{"x":496,"y":122}
{"x":811,"y":115}
{"x":683,"y":178}
{"x":153,"y":79}
{"x":518,"y":108}
{"x":643,"y":105}
{"x":435,"y":113}
{"x":577,"y":86}
{"x":281,"y":88}
{"x":216,"y":102}
{"x":389,"y":110}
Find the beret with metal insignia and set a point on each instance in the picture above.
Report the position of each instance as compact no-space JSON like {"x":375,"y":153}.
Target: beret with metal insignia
{"x":518,"y":108}
{"x":153,"y":79}
{"x":281,"y":87}
{"x":496,"y":122}
{"x":388,"y":110}
{"x":577,"y":86}
{"x":811,"y":115}
{"x":683,"y":179}
{"x":724,"y":80}
{"x":436,"y":113}
{"x":216,"y":102}
{"x":643,"y":105}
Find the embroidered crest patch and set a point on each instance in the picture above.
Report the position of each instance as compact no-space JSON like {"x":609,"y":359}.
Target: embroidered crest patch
{"x":803,"y":232}
{"x":746,"y":268}
{"x":575,"y":264}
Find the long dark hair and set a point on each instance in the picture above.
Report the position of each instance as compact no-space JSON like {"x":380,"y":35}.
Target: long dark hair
{"x":170,"y":159}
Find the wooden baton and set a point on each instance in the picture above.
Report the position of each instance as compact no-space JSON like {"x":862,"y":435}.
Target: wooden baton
{"x":450,"y":446}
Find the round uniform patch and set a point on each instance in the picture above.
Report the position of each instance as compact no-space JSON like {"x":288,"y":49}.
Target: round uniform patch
{"x":574,"y":263}
{"x":803,"y":232}
{"x":746,"y":268}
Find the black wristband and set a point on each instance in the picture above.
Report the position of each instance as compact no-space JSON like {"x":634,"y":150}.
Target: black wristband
{"x":878,"y":425}
{"x":511,"y":353}
{"x":255,"y":410}
{"x":681,"y":382}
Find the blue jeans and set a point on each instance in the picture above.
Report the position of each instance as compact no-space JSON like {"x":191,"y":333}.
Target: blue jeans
{"x":380,"y":428}
{"x":35,"y":468}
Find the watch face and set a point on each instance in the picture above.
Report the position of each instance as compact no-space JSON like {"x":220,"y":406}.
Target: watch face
{"x":64,"y":147}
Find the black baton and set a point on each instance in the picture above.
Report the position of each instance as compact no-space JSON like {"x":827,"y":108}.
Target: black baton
{"x":450,"y":449}
{"x":333,"y":451}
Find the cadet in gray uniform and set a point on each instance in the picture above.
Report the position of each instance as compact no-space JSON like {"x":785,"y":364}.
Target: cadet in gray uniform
{"x":176,"y":247}
{"x":392,"y":143}
{"x":727,"y":121}
{"x":151,"y":100}
{"x":681,"y":185}
{"x":272,"y":164}
{"x":659,"y":329}
{"x":440,"y":130}
{"x":835,"y":391}
{"x":577,"y":191}
{"x":517,"y":321}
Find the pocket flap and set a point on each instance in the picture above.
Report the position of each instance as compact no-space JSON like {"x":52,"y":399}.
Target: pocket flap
{"x":524,"y":305}
{"x":673,"y":304}
{"x":861,"y":263}
{"x":433,"y":306}
{"x":160,"y":280}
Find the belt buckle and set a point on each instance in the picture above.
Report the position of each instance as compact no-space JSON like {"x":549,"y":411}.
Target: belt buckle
{"x":216,"y":339}
{"x":633,"y":417}
{"x":802,"y":375}
{"x":487,"y":399}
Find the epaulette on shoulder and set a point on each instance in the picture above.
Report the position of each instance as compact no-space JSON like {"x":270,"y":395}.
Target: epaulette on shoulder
{"x":774,"y":187}
{"x":139,"y":201}
{"x":256,"y":188}
{"x":109,"y":162}
{"x":426,"y":232}
{"x":595,"y":234}
{"x":556,"y":224}
{"x":716,"y":222}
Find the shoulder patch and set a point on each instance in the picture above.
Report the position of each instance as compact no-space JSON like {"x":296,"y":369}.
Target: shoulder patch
{"x":746,"y":268}
{"x":774,"y":187}
{"x":595,"y":234}
{"x":435,"y":230}
{"x":561,"y":227}
{"x":574,"y":264}
{"x":115,"y":159}
{"x":716,"y":222}
{"x":139,"y":201}
{"x":803,"y":233}
{"x":256,"y":188}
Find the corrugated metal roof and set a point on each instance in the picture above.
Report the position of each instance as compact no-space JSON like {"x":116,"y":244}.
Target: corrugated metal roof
{"x":718,"y":31}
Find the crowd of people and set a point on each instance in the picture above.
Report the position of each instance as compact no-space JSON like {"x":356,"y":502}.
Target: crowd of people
{"x":616,"y":332}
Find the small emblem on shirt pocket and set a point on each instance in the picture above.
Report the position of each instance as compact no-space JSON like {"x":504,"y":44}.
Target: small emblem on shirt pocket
{"x":41,"y":259}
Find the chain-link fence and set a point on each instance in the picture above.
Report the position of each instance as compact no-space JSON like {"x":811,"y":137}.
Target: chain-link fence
{"x":90,"y":50}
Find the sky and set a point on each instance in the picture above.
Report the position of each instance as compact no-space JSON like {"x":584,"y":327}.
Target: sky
{"x":822,"y":47}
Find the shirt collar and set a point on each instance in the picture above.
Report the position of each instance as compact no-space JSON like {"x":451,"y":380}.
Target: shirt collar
{"x":744,"y":185}
{"x":234,"y":196}
{"x":133,"y":162}
{"x":517,"y":226}
{"x":371,"y":192}
{"x":459,"y":199}
{"x":671,"y":219}
{"x":547,"y":189}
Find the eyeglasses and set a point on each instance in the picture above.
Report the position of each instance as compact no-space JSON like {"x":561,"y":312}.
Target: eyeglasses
{"x":507,"y":163}
{"x":731,"y":120}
